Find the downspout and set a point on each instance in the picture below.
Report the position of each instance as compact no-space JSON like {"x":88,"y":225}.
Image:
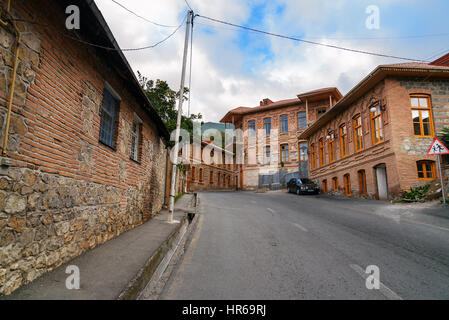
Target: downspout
{"x":13,"y":81}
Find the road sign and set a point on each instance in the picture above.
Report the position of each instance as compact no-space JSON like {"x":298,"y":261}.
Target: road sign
{"x":437,"y":148}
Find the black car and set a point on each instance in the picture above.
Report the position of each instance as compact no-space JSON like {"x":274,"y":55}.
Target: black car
{"x":303,"y":186}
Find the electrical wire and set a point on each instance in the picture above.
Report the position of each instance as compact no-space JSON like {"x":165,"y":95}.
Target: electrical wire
{"x":308,"y":41}
{"x":143,"y":18}
{"x":104,"y":47}
{"x":187,"y":3}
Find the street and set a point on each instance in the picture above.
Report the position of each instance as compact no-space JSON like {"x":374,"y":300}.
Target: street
{"x":282,"y":246}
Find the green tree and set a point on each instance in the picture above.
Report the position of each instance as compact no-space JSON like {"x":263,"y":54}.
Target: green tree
{"x":165,"y":100}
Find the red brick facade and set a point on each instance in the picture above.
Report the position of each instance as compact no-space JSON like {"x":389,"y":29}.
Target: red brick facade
{"x":63,"y":191}
{"x":390,"y":89}
{"x":310,"y":105}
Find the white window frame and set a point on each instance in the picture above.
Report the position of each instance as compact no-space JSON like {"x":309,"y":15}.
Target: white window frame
{"x":136,"y":137}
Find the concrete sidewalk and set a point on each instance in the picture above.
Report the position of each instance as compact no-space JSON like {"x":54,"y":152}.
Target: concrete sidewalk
{"x":120,"y":268}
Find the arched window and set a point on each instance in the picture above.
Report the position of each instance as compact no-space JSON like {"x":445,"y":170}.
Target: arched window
{"x":324,"y":186}
{"x":331,"y":147}
{"x":358,"y":134}
{"x":376,"y":125}
{"x":422,"y":116}
{"x":335,"y":184}
{"x":267,"y":123}
{"x":322,"y":160}
{"x":343,"y":141}
{"x":312,"y":156}
{"x":347,"y":179}
{"x":362,"y":182}
{"x":426,"y":170}
{"x":284,"y":123}
{"x":201,"y":174}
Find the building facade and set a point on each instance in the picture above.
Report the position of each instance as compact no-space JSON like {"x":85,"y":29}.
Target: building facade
{"x":373,"y":143}
{"x":85,"y":157}
{"x":214,"y":175}
{"x":271,"y":133}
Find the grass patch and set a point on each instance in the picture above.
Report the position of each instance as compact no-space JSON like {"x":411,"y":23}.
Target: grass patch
{"x":179,"y":196}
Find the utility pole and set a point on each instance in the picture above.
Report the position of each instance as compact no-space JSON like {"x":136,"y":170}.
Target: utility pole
{"x":178,"y":123}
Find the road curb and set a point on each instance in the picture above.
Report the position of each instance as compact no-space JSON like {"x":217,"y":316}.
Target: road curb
{"x":159,"y":257}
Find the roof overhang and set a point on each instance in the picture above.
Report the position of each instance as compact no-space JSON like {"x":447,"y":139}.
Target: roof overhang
{"x":96,"y":30}
{"x":321,"y":94}
{"x":380,"y":73}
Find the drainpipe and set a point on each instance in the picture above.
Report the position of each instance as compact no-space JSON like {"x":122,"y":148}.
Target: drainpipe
{"x":13,"y":81}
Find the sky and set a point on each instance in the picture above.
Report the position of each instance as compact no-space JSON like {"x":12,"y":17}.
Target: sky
{"x":233,"y":67}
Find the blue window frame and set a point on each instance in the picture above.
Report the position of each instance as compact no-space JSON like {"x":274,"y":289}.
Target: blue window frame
{"x":284,"y":153}
{"x":284,"y":124}
{"x":108,"y":118}
{"x":302,"y":121}
{"x":267,"y":126}
{"x":252,"y":128}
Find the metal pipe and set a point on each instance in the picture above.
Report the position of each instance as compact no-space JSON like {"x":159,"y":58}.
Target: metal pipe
{"x":11,"y":90}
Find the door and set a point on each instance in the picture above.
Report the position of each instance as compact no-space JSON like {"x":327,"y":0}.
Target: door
{"x":382,"y":184}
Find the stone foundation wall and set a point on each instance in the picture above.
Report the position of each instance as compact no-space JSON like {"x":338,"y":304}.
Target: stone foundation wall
{"x":63,"y":192}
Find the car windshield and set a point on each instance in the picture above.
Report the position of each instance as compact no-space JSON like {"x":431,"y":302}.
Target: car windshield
{"x":307,"y":181}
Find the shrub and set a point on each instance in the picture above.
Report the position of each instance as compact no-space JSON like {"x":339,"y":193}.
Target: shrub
{"x":417,"y":193}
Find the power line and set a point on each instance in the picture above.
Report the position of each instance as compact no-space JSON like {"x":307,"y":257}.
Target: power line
{"x":310,"y":42}
{"x":139,"y":16}
{"x":100,"y":46}
{"x":187,"y":3}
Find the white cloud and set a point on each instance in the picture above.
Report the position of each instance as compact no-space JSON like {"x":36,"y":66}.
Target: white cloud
{"x":221,"y":80}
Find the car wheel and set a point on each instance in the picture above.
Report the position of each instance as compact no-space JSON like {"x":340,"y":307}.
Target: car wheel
{"x":298,"y":192}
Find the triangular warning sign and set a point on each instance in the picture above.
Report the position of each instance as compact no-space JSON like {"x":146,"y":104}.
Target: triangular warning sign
{"x":437,"y":148}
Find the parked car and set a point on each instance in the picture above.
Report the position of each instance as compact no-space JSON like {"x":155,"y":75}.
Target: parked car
{"x":303,"y":186}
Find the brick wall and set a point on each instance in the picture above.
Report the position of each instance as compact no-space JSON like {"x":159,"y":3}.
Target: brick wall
{"x":65,"y":192}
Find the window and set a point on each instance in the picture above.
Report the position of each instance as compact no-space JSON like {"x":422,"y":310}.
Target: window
{"x":109,"y":114}
{"x":422,"y":116}
{"x":426,"y":170}
{"x":219,"y":179}
{"x":201,"y":174}
{"x":331,"y":147}
{"x":302,"y":121}
{"x":193,"y":173}
{"x":321,"y":111}
{"x":313,"y":157}
{"x":136,"y":139}
{"x":303,"y":152}
{"x":211,"y":177}
{"x":322,"y":161}
{"x":376,"y":125}
{"x":267,"y":126}
{"x":284,"y":124}
{"x":267,"y":154}
{"x":348,"y":191}
{"x":362,"y":182}
{"x":335,"y":184}
{"x":358,"y":134}
{"x":284,"y":153}
{"x":324,"y":186}
{"x":344,"y":141}
{"x":252,"y":128}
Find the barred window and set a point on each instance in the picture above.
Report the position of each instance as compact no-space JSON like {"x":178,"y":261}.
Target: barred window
{"x":136,"y":139}
{"x":109,"y":114}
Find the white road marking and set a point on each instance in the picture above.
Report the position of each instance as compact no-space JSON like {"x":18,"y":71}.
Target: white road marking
{"x":271,"y":210}
{"x":387,"y":292}
{"x":300,"y":227}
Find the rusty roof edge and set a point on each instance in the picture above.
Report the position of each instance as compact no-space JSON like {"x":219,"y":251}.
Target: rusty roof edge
{"x":378,"y":71}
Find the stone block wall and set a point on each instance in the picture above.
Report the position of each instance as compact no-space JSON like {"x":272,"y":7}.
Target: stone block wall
{"x":64,"y":192}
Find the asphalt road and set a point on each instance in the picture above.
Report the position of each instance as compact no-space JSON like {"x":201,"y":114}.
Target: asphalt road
{"x":283,"y":246}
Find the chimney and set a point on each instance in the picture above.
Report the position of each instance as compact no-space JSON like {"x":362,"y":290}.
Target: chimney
{"x":265,"y":102}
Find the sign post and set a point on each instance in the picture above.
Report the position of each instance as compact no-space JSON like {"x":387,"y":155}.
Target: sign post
{"x":439,"y":149}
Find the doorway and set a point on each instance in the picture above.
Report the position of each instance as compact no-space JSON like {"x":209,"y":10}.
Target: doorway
{"x":381,"y":181}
